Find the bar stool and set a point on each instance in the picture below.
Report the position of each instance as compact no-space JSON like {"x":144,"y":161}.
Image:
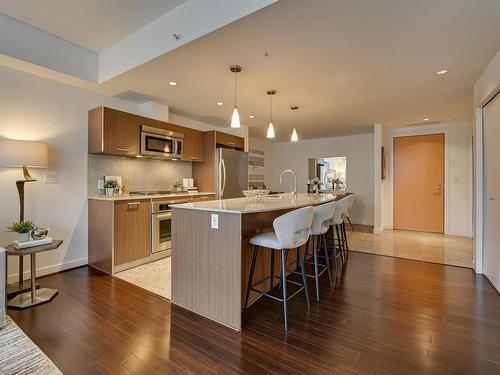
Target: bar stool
{"x":340,"y":240}
{"x":291,"y":231}
{"x":322,"y":217}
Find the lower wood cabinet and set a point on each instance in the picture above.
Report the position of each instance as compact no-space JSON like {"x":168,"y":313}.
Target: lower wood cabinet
{"x":120,"y":232}
{"x":132,"y":231}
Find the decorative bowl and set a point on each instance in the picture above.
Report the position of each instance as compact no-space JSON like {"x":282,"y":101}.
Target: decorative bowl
{"x":255,"y":193}
{"x":39,"y":233}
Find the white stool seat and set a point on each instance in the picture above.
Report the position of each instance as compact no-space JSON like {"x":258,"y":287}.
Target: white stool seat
{"x":270,"y":240}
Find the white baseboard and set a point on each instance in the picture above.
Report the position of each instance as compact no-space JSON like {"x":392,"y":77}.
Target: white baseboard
{"x":49,"y":269}
{"x":378,"y":230}
{"x":388,"y":227}
{"x":457,"y":233}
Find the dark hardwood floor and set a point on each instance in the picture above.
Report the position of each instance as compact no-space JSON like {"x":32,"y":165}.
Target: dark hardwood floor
{"x":387,"y":316}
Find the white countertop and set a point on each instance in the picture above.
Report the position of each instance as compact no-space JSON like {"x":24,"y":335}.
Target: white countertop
{"x":127,"y":197}
{"x":269,"y":203}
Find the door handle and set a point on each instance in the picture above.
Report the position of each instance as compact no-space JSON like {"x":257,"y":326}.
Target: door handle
{"x":439,"y":188}
{"x":224,"y":180}
{"x":493,"y":199}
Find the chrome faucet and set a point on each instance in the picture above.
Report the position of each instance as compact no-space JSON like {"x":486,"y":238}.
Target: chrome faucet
{"x":294,"y":191}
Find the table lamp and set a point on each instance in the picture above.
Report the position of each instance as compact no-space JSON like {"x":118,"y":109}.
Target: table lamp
{"x":17,"y":153}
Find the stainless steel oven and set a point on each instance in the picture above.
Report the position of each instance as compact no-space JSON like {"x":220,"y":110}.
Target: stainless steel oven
{"x":160,"y":143}
{"x":161,"y":229}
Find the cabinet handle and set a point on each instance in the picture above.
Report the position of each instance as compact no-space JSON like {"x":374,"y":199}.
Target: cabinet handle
{"x":194,"y":157}
{"x":231,"y":143}
{"x":133,"y":204}
{"x":122,"y":149}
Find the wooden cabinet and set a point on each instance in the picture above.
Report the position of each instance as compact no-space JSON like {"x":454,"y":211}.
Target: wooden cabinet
{"x":114,"y":132}
{"x":194,"y":147}
{"x":229,"y":140}
{"x":132,"y":231}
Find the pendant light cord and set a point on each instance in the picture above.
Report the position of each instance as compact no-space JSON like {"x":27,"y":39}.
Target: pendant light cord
{"x":271,"y":107}
{"x":235,"y":90}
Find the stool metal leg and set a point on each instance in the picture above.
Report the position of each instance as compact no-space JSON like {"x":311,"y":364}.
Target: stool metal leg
{"x":345,"y":239}
{"x":250,"y":276}
{"x":272,"y":270}
{"x":283,"y":288}
{"x":327,"y":259}
{"x":315,"y":261}
{"x":339,"y":242}
{"x":338,"y":270}
{"x":304,"y":279}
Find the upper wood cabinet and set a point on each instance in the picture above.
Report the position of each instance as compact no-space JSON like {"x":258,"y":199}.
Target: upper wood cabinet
{"x":114,"y":132}
{"x":229,"y":140}
{"x":194,"y":146}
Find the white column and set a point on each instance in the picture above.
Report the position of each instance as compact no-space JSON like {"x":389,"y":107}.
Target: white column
{"x":378,"y":227}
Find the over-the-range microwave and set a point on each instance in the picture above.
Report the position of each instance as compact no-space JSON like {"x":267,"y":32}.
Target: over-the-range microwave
{"x":160,"y":143}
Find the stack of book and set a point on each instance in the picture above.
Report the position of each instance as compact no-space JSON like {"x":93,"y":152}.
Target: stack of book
{"x":31,"y":243}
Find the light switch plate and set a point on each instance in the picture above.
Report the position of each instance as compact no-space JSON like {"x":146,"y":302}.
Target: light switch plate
{"x":100,"y":184}
{"x":50,"y":178}
{"x":215,"y":221}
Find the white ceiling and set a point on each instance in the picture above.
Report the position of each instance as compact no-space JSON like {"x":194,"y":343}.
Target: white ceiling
{"x":346,"y":64}
{"x":93,"y":24}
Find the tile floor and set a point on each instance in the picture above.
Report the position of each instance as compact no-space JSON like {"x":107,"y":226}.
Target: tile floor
{"x":429,"y":247}
{"x":154,"y":276}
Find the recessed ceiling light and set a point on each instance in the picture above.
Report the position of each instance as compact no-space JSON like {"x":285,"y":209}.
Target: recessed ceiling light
{"x":220,"y":103}
{"x":440,"y":72}
{"x":425,"y":119}
{"x":173,"y":83}
{"x":251,"y":116}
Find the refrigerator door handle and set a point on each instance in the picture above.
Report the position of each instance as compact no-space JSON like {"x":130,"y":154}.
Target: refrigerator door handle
{"x":224,"y":180}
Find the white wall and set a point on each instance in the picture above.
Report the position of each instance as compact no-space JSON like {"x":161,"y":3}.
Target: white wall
{"x":359,"y":152}
{"x":458,"y":174}
{"x":267,"y":148}
{"x":35,"y":108}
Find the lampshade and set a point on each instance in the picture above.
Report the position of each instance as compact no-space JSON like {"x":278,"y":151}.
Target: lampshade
{"x":16,"y":153}
{"x":235,"y":119}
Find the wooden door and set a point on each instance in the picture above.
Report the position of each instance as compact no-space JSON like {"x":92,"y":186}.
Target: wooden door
{"x":419,"y":183}
{"x":491,"y":191}
{"x":132,"y":231}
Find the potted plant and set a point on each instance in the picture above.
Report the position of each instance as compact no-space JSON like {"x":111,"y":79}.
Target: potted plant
{"x":110,"y":187}
{"x":22,"y":229}
{"x":178,"y":186}
{"x":316,"y":185}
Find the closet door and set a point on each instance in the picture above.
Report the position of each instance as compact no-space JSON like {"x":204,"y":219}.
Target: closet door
{"x":491,"y":191}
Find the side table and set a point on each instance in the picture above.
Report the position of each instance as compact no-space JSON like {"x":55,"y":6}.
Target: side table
{"x":34,"y":296}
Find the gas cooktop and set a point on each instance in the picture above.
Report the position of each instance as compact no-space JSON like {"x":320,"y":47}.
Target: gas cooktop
{"x":156,"y":192}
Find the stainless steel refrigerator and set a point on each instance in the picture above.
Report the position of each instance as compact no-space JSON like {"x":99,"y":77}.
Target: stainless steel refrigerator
{"x":231,"y":173}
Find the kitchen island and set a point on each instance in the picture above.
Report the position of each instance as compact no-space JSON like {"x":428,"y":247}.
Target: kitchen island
{"x":211,"y":255}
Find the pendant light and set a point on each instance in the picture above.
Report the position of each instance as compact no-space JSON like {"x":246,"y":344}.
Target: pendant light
{"x":294,"y":137}
{"x":235,"y":119}
{"x":270,"y":128}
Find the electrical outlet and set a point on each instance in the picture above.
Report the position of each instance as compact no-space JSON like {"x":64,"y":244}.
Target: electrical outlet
{"x":50,"y":178}
{"x":215,"y":221}
{"x":100,"y":184}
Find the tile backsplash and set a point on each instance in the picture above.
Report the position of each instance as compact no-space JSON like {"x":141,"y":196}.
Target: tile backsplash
{"x":137,"y":174}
